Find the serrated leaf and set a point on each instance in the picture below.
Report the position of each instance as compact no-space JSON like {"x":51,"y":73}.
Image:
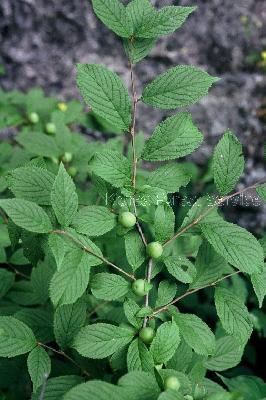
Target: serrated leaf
{"x":173,"y":138}
{"x":113,"y":167}
{"x":96,"y":389}
{"x":27,"y":215}
{"x":196,"y":333}
{"x":38,"y":144}
{"x":16,"y":338}
{"x":140,"y":385}
{"x":135,"y":250}
{"x":131,"y":309}
{"x":170,"y":177}
{"x":164,"y":223}
{"x":249,"y":387}
{"x":106,"y":94}
{"x":166,"y":293}
{"x":40,"y":280}
{"x":138,"y":357}
{"x":238,"y":246}
{"x":94,"y":220}
{"x":138,"y":49}
{"x":70,"y":282}
{"x":233,"y":314}
{"x":181,"y":268}
{"x":109,"y":287}
{"x":55,"y":388}
{"x":165,"y":343}
{"x":68,"y":320}
{"x":181,"y":359}
{"x":7,"y":280}
{"x":261,"y":190}
{"x":40,"y":321}
{"x":101,"y":340}
{"x":259,"y":284}
{"x":32,"y":183}
{"x":64,"y":198}
{"x":178,"y":87}
{"x":113,"y":14}
{"x":57,"y":246}
{"x":228,"y":354}
{"x":228,"y":163}
{"x":39,"y":366}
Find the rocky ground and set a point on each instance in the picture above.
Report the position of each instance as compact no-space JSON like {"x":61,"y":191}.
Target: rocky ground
{"x":42,"y":40}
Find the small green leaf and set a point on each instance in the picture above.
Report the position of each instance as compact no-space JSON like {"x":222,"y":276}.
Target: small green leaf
{"x":228,"y":354}
{"x":165,"y":343}
{"x":38,"y":144}
{"x":96,"y":389}
{"x":259,"y":284}
{"x":138,"y":357}
{"x":108,"y":286}
{"x":181,"y":268}
{"x":39,"y":366}
{"x":131,"y":309}
{"x":94,"y":221}
{"x":166,"y":293}
{"x":140,"y":385}
{"x":164,"y":223}
{"x":135,"y":250}
{"x":170,"y":177}
{"x":57,"y":387}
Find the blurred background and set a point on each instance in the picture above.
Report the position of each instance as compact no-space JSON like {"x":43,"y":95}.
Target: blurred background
{"x":42,"y":40}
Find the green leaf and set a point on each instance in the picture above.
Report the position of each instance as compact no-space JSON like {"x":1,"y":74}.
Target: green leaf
{"x":64,"y":198}
{"x":178,"y":87}
{"x":170,"y":177}
{"x":27,"y":215}
{"x":181,"y":268}
{"x":113,"y":14}
{"x":238,"y":246}
{"x":228,"y":163}
{"x":106,"y":94}
{"x":38,"y":144}
{"x":131,"y":309}
{"x":94,"y":220}
{"x":16,"y":338}
{"x":259,"y":284}
{"x":165,"y":343}
{"x":164,"y":223}
{"x":57,"y":387}
{"x":39,"y":366}
{"x":70,"y":282}
{"x":32,"y":183}
{"x":140,"y":385}
{"x":57,"y":246}
{"x":135,"y":249}
{"x":181,"y":359}
{"x":40,"y":280}
{"x":138,"y":357}
{"x":261,"y":190}
{"x":96,"y":389}
{"x":173,"y":138}
{"x":7,"y":279}
{"x":68,"y":320}
{"x":108,"y":286}
{"x":249,"y":387}
{"x":170,"y":395}
{"x":228,"y":354}
{"x":113,"y":167}
{"x":196,"y":333}
{"x":40,"y":321}
{"x":138,"y":49}
{"x":233,"y":314}
{"x":139,"y":12}
{"x":101,"y":340}
{"x":166,"y":293}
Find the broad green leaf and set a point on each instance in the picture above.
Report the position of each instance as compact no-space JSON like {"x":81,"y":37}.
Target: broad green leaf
{"x":164,"y":223}
{"x":94,"y":220}
{"x":196,"y":333}
{"x":58,"y":248}
{"x":113,"y":14}
{"x":32,"y":183}
{"x":7,"y":280}
{"x":250,"y":387}
{"x":166,"y":293}
{"x":40,"y":321}
{"x":113,"y":167}
{"x":139,"y":12}
{"x":173,"y":138}
{"x":233,"y":314}
{"x":64,"y":198}
{"x":228,"y":163}
{"x":138,"y":49}
{"x":108,"y":286}
{"x":15,"y":337}
{"x":70,"y":282}
{"x":27,"y":215}
{"x":165,"y":343}
{"x":259,"y":284}
{"x":138,"y":357}
{"x":40,"y":280}
{"x":181,"y":359}
{"x":135,"y":249}
{"x":38,"y":144}
{"x":101,"y":340}
{"x":148,"y":196}
{"x":238,"y":246}
{"x":181,"y":268}
{"x":169,"y":177}
{"x":96,"y":389}
{"x":228,"y":354}
{"x":140,"y":385}
{"x":178,"y":87}
{"x":68,"y":320}
{"x":106,"y":94}
{"x":261,"y":190}
{"x":131,"y":308}
{"x":39,"y":366}
{"x":57,"y":387}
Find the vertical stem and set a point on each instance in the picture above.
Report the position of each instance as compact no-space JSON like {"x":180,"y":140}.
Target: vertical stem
{"x":149,"y":273}
{"x":133,"y":125}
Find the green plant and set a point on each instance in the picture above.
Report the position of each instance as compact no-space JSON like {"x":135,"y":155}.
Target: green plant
{"x":85,"y":289}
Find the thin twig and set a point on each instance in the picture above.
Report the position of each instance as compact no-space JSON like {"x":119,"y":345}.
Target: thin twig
{"x":66,"y":356}
{"x":189,"y":292}
{"x":81,"y":245}
{"x":149,"y":274}
{"x":133,"y":124}
{"x":138,"y":224}
{"x":17,"y":272}
{"x":219,"y":202}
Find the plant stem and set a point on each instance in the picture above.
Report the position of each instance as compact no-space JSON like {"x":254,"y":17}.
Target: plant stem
{"x":133,"y":125}
{"x":81,"y":245}
{"x":17,"y":272}
{"x":149,"y":274}
{"x":189,"y":292}
{"x":219,"y":201}
{"x":67,"y":357}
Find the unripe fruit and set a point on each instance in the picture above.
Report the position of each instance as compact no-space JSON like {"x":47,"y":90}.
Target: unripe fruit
{"x":147,"y":334}
{"x":154,"y":249}
{"x":72,"y":171}
{"x":172,"y":382}
{"x":62,"y":106}
{"x":67,"y":157}
{"x":34,"y":117}
{"x":139,"y":287}
{"x":50,"y":128}
{"x":127,"y":219}
{"x":55,"y":160}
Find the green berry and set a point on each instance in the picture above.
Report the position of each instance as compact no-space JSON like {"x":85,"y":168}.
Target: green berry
{"x":139,"y":287}
{"x":72,"y":171}
{"x":50,"y":128}
{"x":147,"y":334}
{"x":55,"y":160}
{"x":154,"y":249}
{"x":67,"y":157}
{"x":127,"y":219}
{"x":172,"y":382}
{"x":34,"y":118}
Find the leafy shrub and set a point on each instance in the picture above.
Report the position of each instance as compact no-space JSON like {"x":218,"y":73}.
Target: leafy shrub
{"x":110,"y":287}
